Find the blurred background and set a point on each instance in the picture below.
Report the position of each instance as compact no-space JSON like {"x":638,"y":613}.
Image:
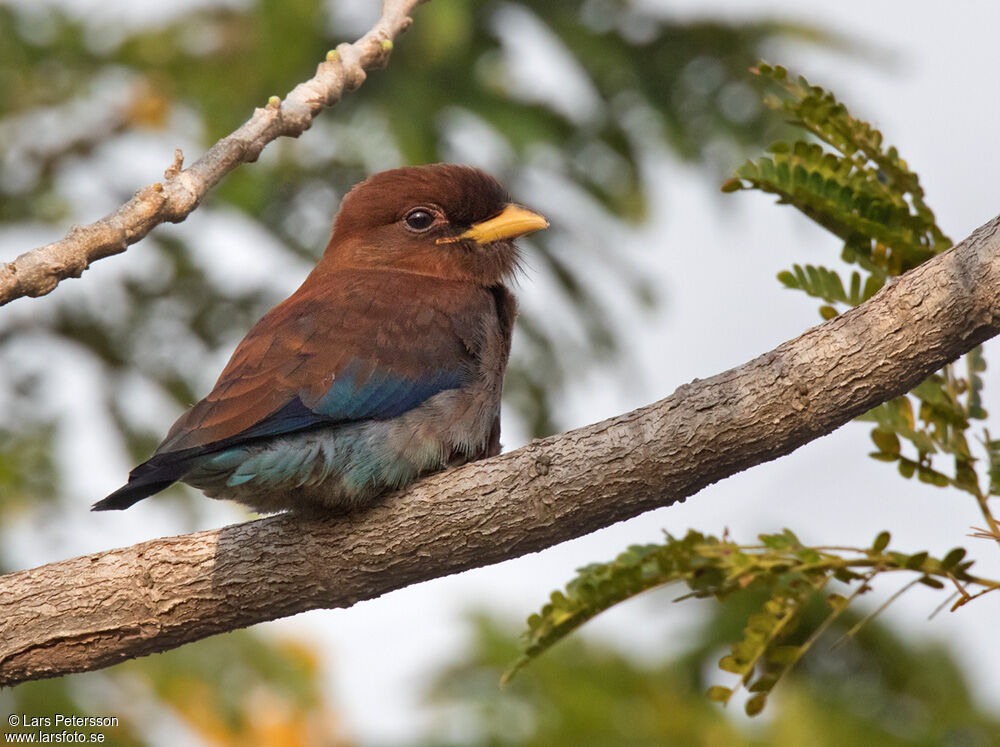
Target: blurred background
{"x":618,"y":121}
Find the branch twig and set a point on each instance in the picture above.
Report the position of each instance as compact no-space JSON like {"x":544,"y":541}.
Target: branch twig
{"x":96,"y":610}
{"x":40,"y":270}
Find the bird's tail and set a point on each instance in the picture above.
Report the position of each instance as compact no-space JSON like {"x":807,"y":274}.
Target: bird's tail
{"x":150,"y":477}
{"x":130,"y":494}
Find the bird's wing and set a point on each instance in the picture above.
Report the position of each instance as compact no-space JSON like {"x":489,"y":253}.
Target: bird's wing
{"x":353,"y":345}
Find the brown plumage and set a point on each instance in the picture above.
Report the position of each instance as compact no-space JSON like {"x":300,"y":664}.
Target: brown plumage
{"x":385,"y":364}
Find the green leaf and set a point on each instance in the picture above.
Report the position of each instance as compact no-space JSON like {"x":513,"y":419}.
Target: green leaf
{"x":762,"y":622}
{"x":886,"y":441}
{"x":932,"y":477}
{"x":729,"y":663}
{"x":764,"y":684}
{"x":719,"y":694}
{"x":953,"y":558}
{"x":776,"y":541}
{"x":881,"y":542}
{"x":788,"y":279}
{"x":755,"y":704}
{"x":784,"y":655}
{"x":837,"y":602}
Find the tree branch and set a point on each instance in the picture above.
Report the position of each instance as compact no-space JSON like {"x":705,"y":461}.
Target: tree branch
{"x":40,"y":270}
{"x":99,"y":609}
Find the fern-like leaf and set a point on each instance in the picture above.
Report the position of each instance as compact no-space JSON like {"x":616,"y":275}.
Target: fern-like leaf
{"x":790,"y":572}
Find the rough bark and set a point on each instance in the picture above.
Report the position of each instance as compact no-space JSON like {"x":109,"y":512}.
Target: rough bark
{"x":40,"y":270}
{"x":96,"y":610}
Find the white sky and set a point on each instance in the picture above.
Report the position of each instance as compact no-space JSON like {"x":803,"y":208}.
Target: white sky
{"x":936,"y":100}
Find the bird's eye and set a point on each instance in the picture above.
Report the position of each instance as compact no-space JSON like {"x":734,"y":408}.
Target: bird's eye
{"x":419,"y":219}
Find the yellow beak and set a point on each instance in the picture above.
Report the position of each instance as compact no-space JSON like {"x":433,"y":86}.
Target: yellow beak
{"x":514,"y":221}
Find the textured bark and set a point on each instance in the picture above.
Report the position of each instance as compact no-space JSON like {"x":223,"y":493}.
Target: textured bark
{"x":40,"y":270}
{"x":96,"y":610}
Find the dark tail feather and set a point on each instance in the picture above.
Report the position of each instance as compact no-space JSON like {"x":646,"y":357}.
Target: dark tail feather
{"x":150,"y":477}
{"x":130,"y":494}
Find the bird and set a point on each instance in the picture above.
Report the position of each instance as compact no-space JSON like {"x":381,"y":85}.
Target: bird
{"x":385,"y":365}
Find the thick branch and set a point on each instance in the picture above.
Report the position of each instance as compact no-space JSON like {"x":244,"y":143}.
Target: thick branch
{"x":93,"y":611}
{"x":40,"y":270}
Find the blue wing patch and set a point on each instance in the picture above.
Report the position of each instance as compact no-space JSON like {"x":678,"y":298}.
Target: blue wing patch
{"x":381,"y":396}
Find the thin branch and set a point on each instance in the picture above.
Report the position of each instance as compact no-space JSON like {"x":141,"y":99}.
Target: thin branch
{"x":93,"y":611}
{"x":872,"y":615}
{"x":943,"y":604}
{"x":40,"y":270}
{"x":980,"y":533}
{"x":966,"y":597}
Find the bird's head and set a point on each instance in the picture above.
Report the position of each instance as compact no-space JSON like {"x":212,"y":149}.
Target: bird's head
{"x":448,"y":221}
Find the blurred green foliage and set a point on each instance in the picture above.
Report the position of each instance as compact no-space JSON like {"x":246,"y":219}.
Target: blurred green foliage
{"x":875,"y":688}
{"x":27,"y":472}
{"x":237,"y":690}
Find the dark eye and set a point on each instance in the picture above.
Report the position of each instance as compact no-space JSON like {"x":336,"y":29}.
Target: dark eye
{"x":419,"y":219}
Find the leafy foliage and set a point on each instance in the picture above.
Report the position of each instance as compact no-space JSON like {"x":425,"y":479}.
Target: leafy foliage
{"x":862,"y":191}
{"x":788,"y":572}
